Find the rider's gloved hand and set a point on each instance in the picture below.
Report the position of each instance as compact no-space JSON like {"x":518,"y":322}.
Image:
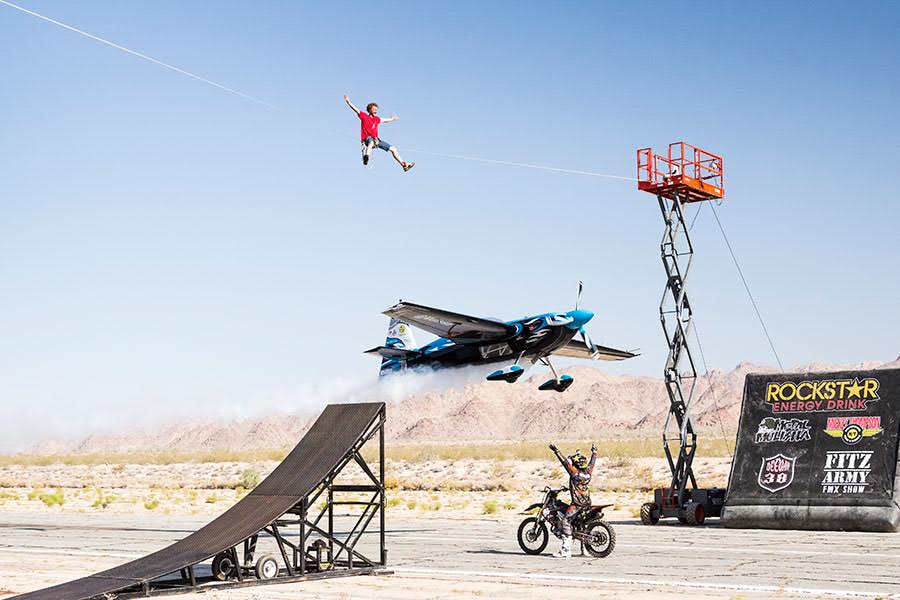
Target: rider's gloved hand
{"x":554,"y":448}
{"x":593,"y":448}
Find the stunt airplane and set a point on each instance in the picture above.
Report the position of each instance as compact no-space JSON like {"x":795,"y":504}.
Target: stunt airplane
{"x":465,"y":340}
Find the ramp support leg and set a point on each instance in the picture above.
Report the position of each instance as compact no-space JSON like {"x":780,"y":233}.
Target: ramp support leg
{"x":381,"y":485}
{"x":237,"y":564}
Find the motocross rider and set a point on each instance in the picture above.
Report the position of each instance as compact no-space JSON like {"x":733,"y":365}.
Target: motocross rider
{"x":580,"y":470}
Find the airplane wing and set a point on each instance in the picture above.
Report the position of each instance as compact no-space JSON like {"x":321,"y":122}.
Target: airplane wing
{"x":578,"y":349}
{"x":460,"y":328}
{"x":395,"y":353}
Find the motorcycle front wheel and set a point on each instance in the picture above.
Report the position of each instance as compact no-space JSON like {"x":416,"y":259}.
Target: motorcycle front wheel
{"x":533,"y":536}
{"x":599,"y":538}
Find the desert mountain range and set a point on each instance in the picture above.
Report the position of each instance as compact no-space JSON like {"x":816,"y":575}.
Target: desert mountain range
{"x":598,"y":405}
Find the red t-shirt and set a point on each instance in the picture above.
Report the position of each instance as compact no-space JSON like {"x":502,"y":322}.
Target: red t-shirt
{"x":368,"y":126}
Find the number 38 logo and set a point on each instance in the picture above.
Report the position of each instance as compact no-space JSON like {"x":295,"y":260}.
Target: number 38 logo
{"x":776,"y":472}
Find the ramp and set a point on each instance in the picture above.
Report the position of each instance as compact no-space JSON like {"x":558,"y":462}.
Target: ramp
{"x":817,"y":451}
{"x":281,"y":501}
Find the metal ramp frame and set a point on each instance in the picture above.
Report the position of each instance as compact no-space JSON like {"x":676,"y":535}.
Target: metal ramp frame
{"x":282,"y":507}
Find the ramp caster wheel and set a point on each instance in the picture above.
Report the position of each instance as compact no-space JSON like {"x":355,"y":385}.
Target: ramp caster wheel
{"x":223,"y":567}
{"x":267,"y":567}
{"x":649,"y":513}
{"x":694,"y":513}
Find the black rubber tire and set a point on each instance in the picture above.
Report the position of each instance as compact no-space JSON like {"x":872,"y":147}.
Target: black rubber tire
{"x":267,"y":567}
{"x":649,"y":513}
{"x":604,"y":550}
{"x":543,"y":537}
{"x":694,"y":513}
{"x":682,"y":520}
{"x":223,"y":567}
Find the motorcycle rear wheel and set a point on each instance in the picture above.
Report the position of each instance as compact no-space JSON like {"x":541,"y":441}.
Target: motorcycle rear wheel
{"x":599,"y":538}
{"x":532,"y":536}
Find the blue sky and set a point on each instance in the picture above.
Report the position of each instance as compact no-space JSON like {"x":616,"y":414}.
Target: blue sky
{"x":170,"y":250}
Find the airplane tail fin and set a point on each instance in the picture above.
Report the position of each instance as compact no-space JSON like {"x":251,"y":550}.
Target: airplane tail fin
{"x":399,"y":337}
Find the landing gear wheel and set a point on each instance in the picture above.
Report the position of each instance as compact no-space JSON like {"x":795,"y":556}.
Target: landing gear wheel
{"x":267,"y":567}
{"x":532,"y":536}
{"x":694,"y":513}
{"x":649,"y":513}
{"x":223,"y":567}
{"x":600,"y":538}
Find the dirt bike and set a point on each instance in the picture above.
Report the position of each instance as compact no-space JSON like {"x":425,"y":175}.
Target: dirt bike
{"x":596,"y":535}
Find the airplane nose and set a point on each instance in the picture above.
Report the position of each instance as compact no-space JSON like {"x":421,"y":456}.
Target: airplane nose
{"x":579,"y":318}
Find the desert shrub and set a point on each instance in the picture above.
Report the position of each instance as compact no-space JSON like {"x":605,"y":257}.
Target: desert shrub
{"x":391,"y":483}
{"x":410,"y":504}
{"x":489,"y":507}
{"x":35,"y":493}
{"x":249,"y":479}
{"x":616,"y":462}
{"x":508,"y":506}
{"x":500,"y":470}
{"x":102,"y":500}
{"x":8,"y":495}
{"x":151,"y":504}
{"x":395,"y":501}
{"x":643,"y":479}
{"x":53,"y":499}
{"x":212,"y":499}
{"x":434,"y":506}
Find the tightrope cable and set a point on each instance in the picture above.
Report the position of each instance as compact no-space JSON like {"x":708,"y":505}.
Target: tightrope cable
{"x":518,"y":164}
{"x":273,"y":107}
{"x":747,"y":288}
{"x":143,"y":56}
{"x":711,"y":389}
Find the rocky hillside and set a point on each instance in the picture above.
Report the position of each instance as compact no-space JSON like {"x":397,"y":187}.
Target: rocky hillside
{"x":597,"y":405}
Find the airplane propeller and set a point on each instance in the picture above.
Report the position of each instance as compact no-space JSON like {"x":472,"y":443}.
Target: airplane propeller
{"x":584,"y":334}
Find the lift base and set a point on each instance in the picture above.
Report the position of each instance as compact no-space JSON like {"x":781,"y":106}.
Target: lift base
{"x":695,"y":507}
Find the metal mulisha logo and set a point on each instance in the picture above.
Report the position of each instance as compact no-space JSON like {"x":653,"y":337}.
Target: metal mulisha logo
{"x":823,"y":395}
{"x":773,"y":429}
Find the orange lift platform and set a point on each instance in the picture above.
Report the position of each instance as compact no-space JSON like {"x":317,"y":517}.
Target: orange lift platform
{"x":685,"y":174}
{"x":690,"y":173}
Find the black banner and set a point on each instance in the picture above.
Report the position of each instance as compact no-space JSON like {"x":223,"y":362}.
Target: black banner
{"x":817,"y":439}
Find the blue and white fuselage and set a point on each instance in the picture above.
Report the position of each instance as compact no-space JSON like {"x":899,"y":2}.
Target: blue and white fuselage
{"x":474,"y":341}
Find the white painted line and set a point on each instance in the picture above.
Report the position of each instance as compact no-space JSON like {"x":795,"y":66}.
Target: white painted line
{"x":686,"y":546}
{"x":521,"y":575}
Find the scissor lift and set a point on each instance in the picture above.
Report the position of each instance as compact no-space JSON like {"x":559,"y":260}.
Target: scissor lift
{"x":686,"y":174}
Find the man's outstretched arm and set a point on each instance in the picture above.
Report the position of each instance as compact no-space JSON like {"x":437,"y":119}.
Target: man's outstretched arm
{"x":390,"y":119}
{"x":351,"y":105}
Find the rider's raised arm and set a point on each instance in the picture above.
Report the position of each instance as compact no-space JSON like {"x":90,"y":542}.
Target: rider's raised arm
{"x":590,"y":466}
{"x":562,"y":459}
{"x":351,"y":105}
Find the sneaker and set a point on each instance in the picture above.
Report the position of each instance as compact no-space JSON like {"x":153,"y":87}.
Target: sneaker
{"x":365,"y":159}
{"x":408,"y":166}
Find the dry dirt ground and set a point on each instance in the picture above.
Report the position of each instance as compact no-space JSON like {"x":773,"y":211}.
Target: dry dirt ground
{"x":437,"y":557}
{"x":461,"y":488}
{"x":451,"y":534}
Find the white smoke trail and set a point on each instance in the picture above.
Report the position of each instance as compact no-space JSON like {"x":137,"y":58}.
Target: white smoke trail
{"x":62,"y":430}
